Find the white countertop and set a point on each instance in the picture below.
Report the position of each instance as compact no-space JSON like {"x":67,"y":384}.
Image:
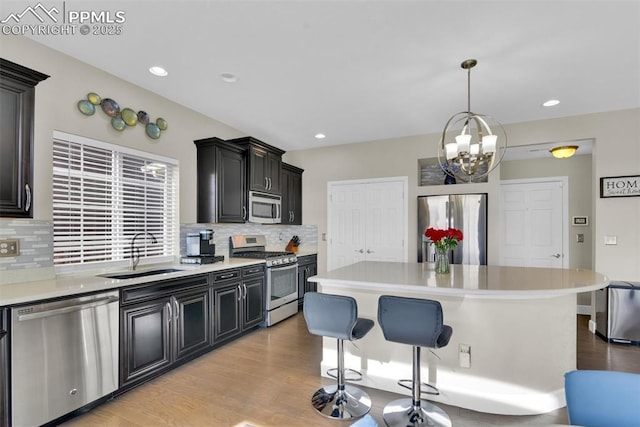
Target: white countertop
{"x":69,"y":285}
{"x":472,"y":281}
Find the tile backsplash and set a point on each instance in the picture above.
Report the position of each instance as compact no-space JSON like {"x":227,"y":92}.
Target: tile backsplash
{"x":35,"y":240}
{"x":277,"y":235}
{"x":35,"y":259}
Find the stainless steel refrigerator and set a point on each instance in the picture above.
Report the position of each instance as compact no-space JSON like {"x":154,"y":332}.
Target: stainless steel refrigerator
{"x":466,"y":212}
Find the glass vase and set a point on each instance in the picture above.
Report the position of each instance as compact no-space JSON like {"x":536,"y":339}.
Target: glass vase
{"x":442,"y":261}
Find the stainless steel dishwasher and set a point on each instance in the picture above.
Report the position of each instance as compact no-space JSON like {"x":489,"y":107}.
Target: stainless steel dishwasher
{"x":64,"y":354}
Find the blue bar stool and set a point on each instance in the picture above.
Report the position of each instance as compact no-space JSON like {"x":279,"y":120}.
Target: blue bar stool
{"x":417,"y":322}
{"x":336,"y":316}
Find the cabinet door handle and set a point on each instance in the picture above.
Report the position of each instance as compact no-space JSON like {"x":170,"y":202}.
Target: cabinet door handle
{"x":27,"y":191}
{"x":226,"y":276}
{"x":370,"y":251}
{"x":266,"y":183}
{"x":244,"y":287}
{"x":359,"y":251}
{"x":177,"y":308}
{"x":239,"y":293}
{"x":244,"y":212}
{"x":270,"y":185}
{"x":556,"y":255}
{"x":170,"y":313}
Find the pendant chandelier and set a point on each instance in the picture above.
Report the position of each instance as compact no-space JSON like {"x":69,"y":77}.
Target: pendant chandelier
{"x":469,"y":149}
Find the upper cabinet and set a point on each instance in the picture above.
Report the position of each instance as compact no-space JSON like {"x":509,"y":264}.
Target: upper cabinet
{"x":291,"y":194}
{"x":221,"y":181}
{"x":17,"y":99}
{"x":264,"y":165}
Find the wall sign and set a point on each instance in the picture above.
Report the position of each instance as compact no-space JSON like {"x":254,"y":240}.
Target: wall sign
{"x":620,"y":186}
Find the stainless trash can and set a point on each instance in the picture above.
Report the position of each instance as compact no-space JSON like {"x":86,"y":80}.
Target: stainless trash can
{"x":618,"y":312}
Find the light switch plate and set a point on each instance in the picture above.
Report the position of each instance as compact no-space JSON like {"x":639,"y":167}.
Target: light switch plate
{"x":610,"y":240}
{"x":9,"y":247}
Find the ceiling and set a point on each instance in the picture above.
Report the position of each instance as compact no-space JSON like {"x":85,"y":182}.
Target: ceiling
{"x":367,"y":70}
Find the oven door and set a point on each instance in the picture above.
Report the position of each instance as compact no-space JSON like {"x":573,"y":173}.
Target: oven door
{"x":264,"y":208}
{"x":282,"y":285}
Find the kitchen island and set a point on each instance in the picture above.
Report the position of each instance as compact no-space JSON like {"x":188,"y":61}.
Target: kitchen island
{"x":519,"y":323}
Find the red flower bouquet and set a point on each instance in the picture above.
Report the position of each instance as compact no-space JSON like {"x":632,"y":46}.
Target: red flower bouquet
{"x":444,"y":239}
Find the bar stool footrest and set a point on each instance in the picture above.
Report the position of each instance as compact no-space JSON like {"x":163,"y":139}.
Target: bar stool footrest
{"x":356,"y":375}
{"x":408,"y":384}
{"x":345,"y":404}
{"x":403,"y":413}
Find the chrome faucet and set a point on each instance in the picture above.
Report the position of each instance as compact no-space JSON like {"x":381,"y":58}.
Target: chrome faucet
{"x":135,"y":252}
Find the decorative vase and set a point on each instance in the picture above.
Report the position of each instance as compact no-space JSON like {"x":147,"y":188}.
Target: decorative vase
{"x":442,"y":261}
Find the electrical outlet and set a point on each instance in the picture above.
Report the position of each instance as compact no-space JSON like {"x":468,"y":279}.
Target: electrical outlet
{"x":580,"y":238}
{"x":464,"y":355}
{"x":9,"y":247}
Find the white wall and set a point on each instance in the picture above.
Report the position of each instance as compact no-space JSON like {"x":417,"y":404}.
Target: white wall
{"x":55,"y":109}
{"x":616,"y":152}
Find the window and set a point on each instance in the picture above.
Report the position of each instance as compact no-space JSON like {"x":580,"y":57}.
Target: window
{"x":103,"y":195}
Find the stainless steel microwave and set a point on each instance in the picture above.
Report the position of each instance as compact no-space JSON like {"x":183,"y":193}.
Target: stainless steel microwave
{"x":265,"y":208}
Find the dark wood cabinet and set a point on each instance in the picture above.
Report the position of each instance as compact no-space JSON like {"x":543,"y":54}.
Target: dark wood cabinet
{"x":4,"y":369}
{"x":239,"y":303}
{"x":307,"y":267}
{"x":291,"y":194}
{"x":17,"y":100}
{"x":192,"y":322}
{"x":253,"y":302}
{"x":162,"y":324}
{"x":221,"y":183}
{"x":264,"y":164}
{"x":147,"y":340}
{"x":226,"y":302}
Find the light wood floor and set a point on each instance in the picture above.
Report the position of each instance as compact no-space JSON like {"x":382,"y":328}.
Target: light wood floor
{"x":266,"y":379}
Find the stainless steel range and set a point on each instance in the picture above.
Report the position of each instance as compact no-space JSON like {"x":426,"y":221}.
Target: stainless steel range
{"x":282,"y":275}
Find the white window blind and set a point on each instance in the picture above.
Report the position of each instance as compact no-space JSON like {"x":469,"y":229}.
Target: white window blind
{"x":103,"y":195}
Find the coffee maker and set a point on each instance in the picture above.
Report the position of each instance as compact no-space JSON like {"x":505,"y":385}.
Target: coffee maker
{"x":201,"y":249}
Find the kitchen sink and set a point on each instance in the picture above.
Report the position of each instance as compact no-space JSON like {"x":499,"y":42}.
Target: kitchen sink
{"x":143,"y":273}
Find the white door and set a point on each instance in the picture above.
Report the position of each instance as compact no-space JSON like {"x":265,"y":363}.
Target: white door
{"x":367,"y":220}
{"x":533,"y":223}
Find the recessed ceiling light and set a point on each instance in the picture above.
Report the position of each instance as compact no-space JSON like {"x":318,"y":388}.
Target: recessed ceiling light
{"x":551,"y":103}
{"x":158,"y":71}
{"x":320,"y":136}
{"x":228,"y":77}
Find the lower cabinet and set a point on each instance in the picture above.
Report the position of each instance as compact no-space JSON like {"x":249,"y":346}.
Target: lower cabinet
{"x":307,"y":267}
{"x":170,"y":325}
{"x":4,"y":370}
{"x":238,"y":301}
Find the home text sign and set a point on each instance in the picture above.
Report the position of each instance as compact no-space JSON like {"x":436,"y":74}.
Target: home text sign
{"x":620,"y":186}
